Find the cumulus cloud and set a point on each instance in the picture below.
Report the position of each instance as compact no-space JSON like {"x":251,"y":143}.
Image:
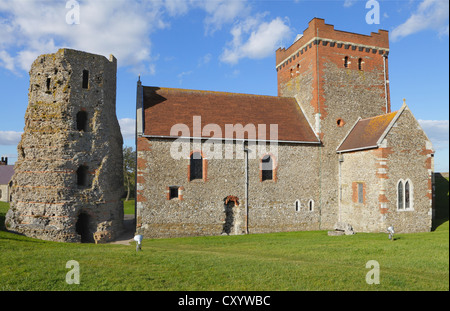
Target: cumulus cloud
{"x":430,"y":14}
{"x":221,"y":12}
{"x":253,"y":38}
{"x":10,"y":137}
{"x":117,"y":27}
{"x":124,"y":28}
{"x":127,"y":128}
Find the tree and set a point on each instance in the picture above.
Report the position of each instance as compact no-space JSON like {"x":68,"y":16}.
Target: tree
{"x":129,"y":170}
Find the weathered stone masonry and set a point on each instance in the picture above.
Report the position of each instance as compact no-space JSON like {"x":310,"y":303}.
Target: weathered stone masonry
{"x":68,"y":177}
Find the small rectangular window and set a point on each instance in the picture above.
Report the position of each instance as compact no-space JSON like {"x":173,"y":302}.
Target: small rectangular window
{"x":360,"y":193}
{"x":85,"y":79}
{"x":173,"y":192}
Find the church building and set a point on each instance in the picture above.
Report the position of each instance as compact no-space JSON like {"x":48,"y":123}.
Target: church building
{"x":326,"y":149}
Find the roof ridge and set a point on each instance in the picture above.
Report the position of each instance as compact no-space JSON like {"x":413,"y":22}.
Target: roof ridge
{"x":216,"y":92}
{"x":381,"y":115}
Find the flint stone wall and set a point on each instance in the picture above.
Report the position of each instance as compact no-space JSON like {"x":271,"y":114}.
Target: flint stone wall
{"x":47,"y":199}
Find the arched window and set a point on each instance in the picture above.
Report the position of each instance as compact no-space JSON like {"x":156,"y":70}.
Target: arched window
{"x":82,"y":121}
{"x":400,"y":195}
{"x":360,"y":64}
{"x":346,"y":62}
{"x":266,"y":168}
{"x":82,"y":176}
{"x":196,"y":166}
{"x":404,"y":195}
{"x":407,"y":195}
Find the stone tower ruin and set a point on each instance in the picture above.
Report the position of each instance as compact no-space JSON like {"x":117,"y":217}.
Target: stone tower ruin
{"x":68,"y":178}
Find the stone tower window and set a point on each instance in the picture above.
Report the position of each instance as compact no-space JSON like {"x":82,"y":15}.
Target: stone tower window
{"x":297,"y":205}
{"x":82,"y":176}
{"x":346,"y":62}
{"x":48,"y":83}
{"x":85,"y":84}
{"x":266,"y":168}
{"x":82,"y":121}
{"x":196,"y":166}
{"x":360,"y":64}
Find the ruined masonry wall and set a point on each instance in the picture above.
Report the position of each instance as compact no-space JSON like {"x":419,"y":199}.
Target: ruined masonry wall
{"x":47,"y":194}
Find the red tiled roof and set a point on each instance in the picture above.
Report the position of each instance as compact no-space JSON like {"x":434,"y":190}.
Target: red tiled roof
{"x":165,"y":107}
{"x":366,"y":132}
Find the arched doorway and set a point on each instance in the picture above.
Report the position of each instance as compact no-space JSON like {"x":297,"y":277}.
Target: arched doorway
{"x":82,"y":228}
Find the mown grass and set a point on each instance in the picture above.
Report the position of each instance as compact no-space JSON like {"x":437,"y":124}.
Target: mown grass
{"x":279,"y":261}
{"x":128,"y":207}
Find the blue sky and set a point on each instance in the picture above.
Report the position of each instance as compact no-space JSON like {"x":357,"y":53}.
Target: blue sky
{"x":220,"y":45}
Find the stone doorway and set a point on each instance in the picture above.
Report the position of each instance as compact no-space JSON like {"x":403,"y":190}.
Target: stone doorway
{"x":82,"y":228}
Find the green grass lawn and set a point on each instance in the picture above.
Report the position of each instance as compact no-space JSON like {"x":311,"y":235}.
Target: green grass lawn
{"x":128,"y":207}
{"x":277,"y":261}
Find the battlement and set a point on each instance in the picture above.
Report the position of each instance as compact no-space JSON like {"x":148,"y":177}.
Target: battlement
{"x":320,"y":33}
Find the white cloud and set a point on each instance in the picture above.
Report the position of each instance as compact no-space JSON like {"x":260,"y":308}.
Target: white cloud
{"x":6,"y":60}
{"x":221,"y":12}
{"x":437,"y":131}
{"x":117,"y":27}
{"x":255,"y":39}
{"x":10,"y":137}
{"x":127,"y":128}
{"x":431,"y":14}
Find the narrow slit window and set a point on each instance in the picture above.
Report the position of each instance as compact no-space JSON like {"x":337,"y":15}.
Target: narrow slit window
{"x":346,"y":62}
{"x":400,"y":195}
{"x":407,"y":196}
{"x":85,"y":79}
{"x":49,"y":80}
{"x":297,"y":205}
{"x":360,"y":64}
{"x":311,"y":205}
{"x":360,"y":193}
